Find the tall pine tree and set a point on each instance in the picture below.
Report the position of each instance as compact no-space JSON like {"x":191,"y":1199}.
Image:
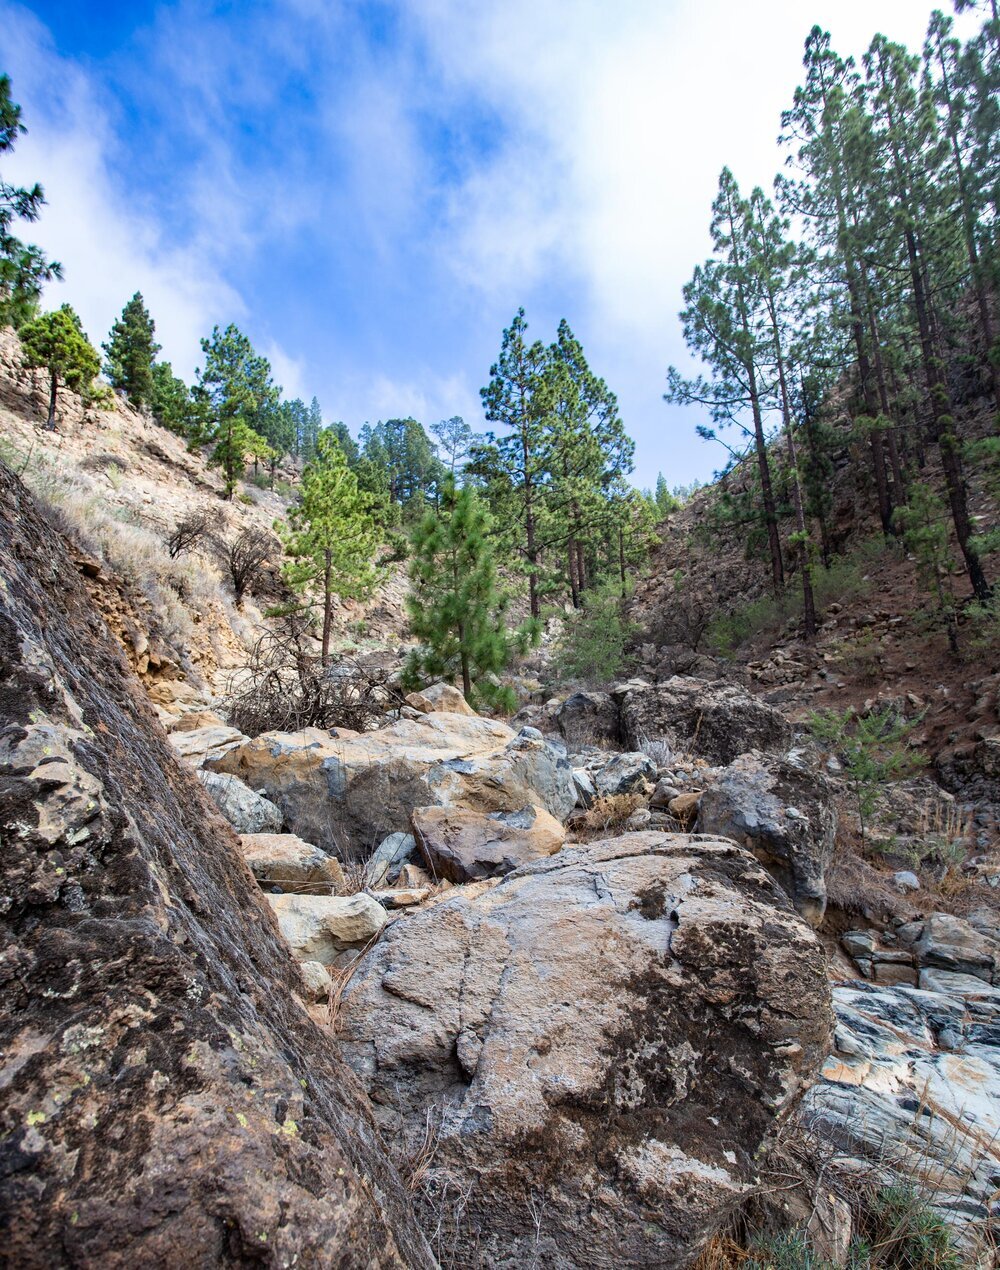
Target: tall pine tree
{"x":456,"y":608}
{"x":130,"y":352}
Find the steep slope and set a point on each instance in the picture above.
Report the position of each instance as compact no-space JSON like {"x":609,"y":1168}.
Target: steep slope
{"x":118,"y":485}
{"x":164,"y":1098}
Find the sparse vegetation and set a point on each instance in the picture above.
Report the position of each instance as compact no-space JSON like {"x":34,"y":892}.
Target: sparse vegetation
{"x":873,"y":748}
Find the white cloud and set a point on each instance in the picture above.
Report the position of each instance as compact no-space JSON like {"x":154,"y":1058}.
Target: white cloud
{"x":109,"y":244}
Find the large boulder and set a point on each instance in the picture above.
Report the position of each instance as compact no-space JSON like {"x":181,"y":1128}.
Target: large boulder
{"x":348,"y":794}
{"x":600,"y":1040}
{"x":588,"y":718}
{"x":715,"y":721}
{"x":465,"y":846}
{"x":946,"y":942}
{"x":782,"y":811}
{"x":164,"y":1098}
{"x":246,"y":811}
{"x":286,"y":860}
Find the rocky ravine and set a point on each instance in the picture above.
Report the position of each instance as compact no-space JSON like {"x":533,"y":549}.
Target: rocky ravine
{"x":572,"y":1052}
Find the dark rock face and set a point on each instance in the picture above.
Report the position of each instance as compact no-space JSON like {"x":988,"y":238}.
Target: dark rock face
{"x":597,"y":1045}
{"x":588,"y":718}
{"x":714,"y":721}
{"x":164,"y":1100}
{"x":785,"y":814}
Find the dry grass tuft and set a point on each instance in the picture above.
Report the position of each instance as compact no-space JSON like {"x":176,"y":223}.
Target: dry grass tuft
{"x":608,"y":814}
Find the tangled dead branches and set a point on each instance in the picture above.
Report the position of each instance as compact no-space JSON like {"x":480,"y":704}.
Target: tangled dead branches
{"x":284,"y":687}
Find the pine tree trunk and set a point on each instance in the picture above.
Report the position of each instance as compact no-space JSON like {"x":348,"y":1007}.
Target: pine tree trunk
{"x":531,"y":550}
{"x":327,"y":609}
{"x":621,"y":561}
{"x":767,"y":494}
{"x":50,"y":423}
{"x":574,"y":585}
{"x":942,"y":429}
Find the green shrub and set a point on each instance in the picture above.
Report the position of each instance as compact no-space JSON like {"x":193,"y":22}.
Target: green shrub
{"x":766,"y":616}
{"x":873,"y":748}
{"x":593,"y":644}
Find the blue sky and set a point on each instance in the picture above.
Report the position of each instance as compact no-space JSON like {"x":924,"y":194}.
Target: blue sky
{"x":370,"y":189}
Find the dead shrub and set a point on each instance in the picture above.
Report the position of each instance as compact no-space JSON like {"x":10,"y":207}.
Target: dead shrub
{"x":246,"y":557}
{"x":284,"y":687}
{"x":188,"y":533}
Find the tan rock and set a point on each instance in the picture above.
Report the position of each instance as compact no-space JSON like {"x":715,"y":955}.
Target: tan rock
{"x":318,"y":981}
{"x":440,"y":698}
{"x":201,"y":745}
{"x":412,"y":875}
{"x":285,"y":859}
{"x":464,"y":846}
{"x":402,"y":897}
{"x":684,"y":805}
{"x":322,"y":927}
{"x":197,"y":719}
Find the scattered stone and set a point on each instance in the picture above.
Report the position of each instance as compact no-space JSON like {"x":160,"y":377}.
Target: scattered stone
{"x":412,"y":877}
{"x":323,"y":927}
{"x":465,"y":846}
{"x":664,"y":793}
{"x":388,"y":859}
{"x":586,"y":791}
{"x":317,"y":979}
{"x":906,"y":880}
{"x":684,"y":806}
{"x":624,"y":773}
{"x":293,"y":864}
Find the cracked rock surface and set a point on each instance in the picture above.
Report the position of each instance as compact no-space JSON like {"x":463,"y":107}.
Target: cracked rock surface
{"x":590,"y":1051}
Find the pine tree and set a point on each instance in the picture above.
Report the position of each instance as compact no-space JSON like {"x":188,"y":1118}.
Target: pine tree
{"x":510,"y":399}
{"x":722,"y":325}
{"x":170,"y":400}
{"x":131,"y":351}
{"x":56,"y":343}
{"x":237,"y":390}
{"x":922,"y":220}
{"x":454,"y":437}
{"x":331,"y":535}
{"x":23,"y":268}
{"x":456,"y":609}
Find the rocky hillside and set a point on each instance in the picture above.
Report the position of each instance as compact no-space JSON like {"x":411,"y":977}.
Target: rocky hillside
{"x":119,"y":485}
